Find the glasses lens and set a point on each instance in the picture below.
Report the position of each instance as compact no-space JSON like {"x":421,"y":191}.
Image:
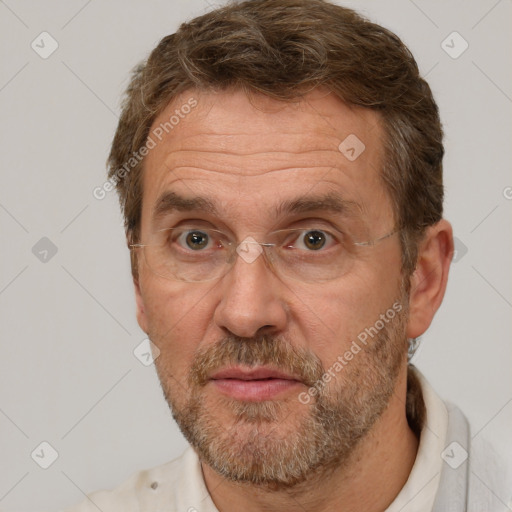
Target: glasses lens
{"x":188,"y":254}
{"x":309,"y":255}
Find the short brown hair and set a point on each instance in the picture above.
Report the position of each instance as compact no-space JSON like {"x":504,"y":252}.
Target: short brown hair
{"x":284,"y":49}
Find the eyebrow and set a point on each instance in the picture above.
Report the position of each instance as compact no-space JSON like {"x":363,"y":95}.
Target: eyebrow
{"x":329,"y":203}
{"x":170,"y":201}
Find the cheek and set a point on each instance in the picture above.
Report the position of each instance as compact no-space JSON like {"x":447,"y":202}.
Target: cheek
{"x":178,"y":315}
{"x":333,"y":317}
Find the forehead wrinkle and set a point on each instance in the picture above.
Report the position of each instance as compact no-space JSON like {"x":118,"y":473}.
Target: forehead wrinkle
{"x":243,"y":175}
{"x":246,"y":141}
{"x":252,"y":152}
{"x":249,"y":164}
{"x":185,"y":152}
{"x":200,"y":147}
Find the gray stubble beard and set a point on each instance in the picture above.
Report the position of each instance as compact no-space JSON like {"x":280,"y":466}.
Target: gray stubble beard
{"x":261,"y":447}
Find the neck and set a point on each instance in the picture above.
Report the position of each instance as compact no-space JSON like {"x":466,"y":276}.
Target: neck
{"x":383,"y":459}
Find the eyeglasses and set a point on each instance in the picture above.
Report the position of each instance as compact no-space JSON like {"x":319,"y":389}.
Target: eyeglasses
{"x":203,"y":254}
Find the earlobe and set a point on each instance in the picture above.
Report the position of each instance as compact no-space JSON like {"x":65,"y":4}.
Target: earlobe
{"x":428,"y":282}
{"x":139,"y":301}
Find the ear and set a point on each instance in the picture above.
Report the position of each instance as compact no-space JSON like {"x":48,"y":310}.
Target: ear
{"x":428,"y":282}
{"x":139,"y":301}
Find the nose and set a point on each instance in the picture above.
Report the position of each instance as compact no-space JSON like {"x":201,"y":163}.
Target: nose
{"x":252,"y":297}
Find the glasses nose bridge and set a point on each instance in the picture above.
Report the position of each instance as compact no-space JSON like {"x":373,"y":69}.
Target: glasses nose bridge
{"x":249,"y":250}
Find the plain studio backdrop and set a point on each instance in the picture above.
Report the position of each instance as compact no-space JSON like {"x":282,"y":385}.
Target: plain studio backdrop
{"x":74,"y":396}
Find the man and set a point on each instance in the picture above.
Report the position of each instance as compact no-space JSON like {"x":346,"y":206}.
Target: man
{"x":279,"y":165}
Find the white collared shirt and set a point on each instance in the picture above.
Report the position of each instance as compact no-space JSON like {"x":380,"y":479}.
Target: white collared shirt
{"x":419,"y":492}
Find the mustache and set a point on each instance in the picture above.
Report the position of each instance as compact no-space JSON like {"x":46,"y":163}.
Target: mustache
{"x":261,"y":350}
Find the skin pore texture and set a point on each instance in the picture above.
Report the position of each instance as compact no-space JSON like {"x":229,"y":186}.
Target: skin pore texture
{"x":350,"y":447}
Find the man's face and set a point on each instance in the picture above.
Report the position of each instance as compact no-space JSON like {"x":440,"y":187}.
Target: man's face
{"x":239,"y":354}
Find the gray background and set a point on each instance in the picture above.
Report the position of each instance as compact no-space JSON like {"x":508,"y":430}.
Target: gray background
{"x":68,"y":375}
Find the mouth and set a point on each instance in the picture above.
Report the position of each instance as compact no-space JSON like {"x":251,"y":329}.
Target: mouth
{"x":253,"y":384}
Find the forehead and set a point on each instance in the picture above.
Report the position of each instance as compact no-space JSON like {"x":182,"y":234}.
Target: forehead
{"x":253,"y":152}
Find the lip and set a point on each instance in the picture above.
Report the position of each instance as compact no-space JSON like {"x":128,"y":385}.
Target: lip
{"x":241,"y":373}
{"x":253,"y":384}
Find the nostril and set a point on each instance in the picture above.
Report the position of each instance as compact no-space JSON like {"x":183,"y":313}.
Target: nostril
{"x":154,"y":485}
